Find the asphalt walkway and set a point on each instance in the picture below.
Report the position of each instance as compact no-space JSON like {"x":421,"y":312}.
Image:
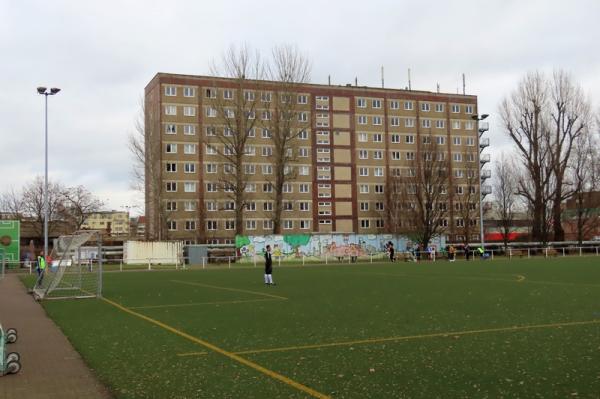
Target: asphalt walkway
{"x":51,"y":368}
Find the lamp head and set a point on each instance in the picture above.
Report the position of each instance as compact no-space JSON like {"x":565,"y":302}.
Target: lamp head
{"x":484,"y":116}
{"x":41,"y":90}
{"x":55,"y":90}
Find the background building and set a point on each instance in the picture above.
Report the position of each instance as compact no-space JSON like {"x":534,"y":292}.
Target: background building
{"x":114,"y":223}
{"x":353,"y":138}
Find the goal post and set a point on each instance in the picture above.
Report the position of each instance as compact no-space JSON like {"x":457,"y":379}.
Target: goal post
{"x":72,"y":275}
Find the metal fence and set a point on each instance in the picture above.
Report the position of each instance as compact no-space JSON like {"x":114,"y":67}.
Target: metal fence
{"x":325,"y":259}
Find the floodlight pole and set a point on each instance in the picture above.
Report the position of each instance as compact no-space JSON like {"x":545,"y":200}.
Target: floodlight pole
{"x":46,"y":93}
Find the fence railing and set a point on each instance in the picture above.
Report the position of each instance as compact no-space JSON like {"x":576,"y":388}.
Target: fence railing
{"x":118,"y":264}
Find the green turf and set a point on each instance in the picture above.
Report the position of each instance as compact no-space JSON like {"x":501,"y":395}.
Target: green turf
{"x":341,"y":303}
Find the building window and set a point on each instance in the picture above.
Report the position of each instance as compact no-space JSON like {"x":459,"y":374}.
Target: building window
{"x":425,"y":107}
{"x":408,"y":105}
{"x":362,"y":120}
{"x":171,"y":205}
{"x":377,"y":120}
{"x":211,"y":93}
{"x":304,"y":188}
{"x":469,"y":125}
{"x":211,"y":112}
{"x":457,"y":157}
{"x":409,"y":139}
{"x":440,"y":124}
{"x":249,"y":169}
{"x":171,"y":167}
{"x":211,"y":168}
{"x":210,"y":206}
{"x":190,"y":206}
{"x":455,"y":108}
{"x":249,"y":95}
{"x":378,"y":188}
{"x":170,"y":110}
{"x":229,"y":224}
{"x":171,"y":186}
{"x":171,"y":225}
{"x":303,"y":152}
{"x":267,"y":225}
{"x":251,"y":206}
{"x":363,"y":188}
{"x":378,"y":172}
{"x":396,"y":155}
{"x":426,"y":123}
{"x":468,"y":109}
{"x":303,"y":170}
{"x":265,"y":115}
{"x":456,"y":140}
{"x":303,"y":117}
{"x":394,"y":104}
{"x":305,"y":224}
{"x":265,"y":97}
{"x":189,"y":92}
{"x":364,"y":223}
{"x":377,"y":138}
{"x":376,"y":103}
{"x":171,"y":148}
{"x":267,"y":169}
{"x":211,"y":225}
{"x":470,"y":141}
{"x":364,"y":206}
{"x":267,"y":151}
{"x":190,"y":225}
{"x":189,"y":148}
{"x":288,"y":224}
{"x":409,"y":122}
{"x":363,"y":171}
{"x":302,"y":99}
{"x":170,"y":91}
{"x":410,"y":156}
{"x":227,"y":94}
{"x":189,"y":130}
{"x":189,"y":187}
{"x":395,"y":138}
{"x":287,"y":188}
{"x":210,"y":150}
{"x":455,"y":124}
{"x":361,"y":103}
{"x":211,"y":187}
{"x":394,"y":121}
{"x":250,"y":188}
{"x":303,"y":135}
{"x":439,"y":107}
{"x":267,"y":206}
{"x":304,"y":206}
{"x":363,"y":137}
{"x":363,"y":154}
{"x":170,"y":129}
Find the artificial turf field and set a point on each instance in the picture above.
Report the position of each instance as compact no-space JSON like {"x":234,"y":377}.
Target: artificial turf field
{"x":519,"y":329}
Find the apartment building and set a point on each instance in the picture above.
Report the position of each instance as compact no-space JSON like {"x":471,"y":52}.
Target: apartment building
{"x":116,"y":223}
{"x":351,"y":140}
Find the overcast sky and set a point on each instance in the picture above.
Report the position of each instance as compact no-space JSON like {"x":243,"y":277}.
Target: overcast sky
{"x":102,"y":54}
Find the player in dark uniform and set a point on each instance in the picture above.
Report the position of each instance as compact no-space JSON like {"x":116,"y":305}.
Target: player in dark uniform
{"x":268,"y":266}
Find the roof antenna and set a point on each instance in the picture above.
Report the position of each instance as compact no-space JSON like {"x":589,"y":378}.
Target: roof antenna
{"x":355,"y":81}
{"x":382,"y":78}
{"x":438,"y":88}
{"x":329,"y":80}
{"x":409,"y":87}
{"x":464,"y":85}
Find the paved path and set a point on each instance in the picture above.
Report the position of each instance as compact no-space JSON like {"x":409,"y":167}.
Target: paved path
{"x":52,"y":369}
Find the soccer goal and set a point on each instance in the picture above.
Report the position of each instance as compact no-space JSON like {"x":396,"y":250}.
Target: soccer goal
{"x":71,"y":275}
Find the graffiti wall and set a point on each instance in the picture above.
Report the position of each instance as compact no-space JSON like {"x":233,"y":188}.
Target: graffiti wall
{"x":297,"y":246}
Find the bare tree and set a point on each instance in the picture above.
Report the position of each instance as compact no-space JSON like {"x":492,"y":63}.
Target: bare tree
{"x":78,"y":202}
{"x":235,"y":114}
{"x":11,"y":204}
{"x":466,"y":203}
{"x":33,"y":204}
{"x":570,"y":118}
{"x":505,"y":191}
{"x":526,"y":123}
{"x":417,"y":202}
{"x":145,"y":148}
{"x":289,"y":69}
{"x":585,"y":175}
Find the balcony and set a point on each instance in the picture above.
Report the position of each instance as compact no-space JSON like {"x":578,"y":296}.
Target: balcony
{"x":485,"y":174}
{"x":484,"y":158}
{"x":483,"y":127}
{"x":485,"y":190}
{"x":483,"y":143}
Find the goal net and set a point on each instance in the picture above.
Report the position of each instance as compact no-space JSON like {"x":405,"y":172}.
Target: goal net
{"x":71,"y":275}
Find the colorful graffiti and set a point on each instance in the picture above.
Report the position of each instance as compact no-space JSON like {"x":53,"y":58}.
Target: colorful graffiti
{"x":297,"y":246}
